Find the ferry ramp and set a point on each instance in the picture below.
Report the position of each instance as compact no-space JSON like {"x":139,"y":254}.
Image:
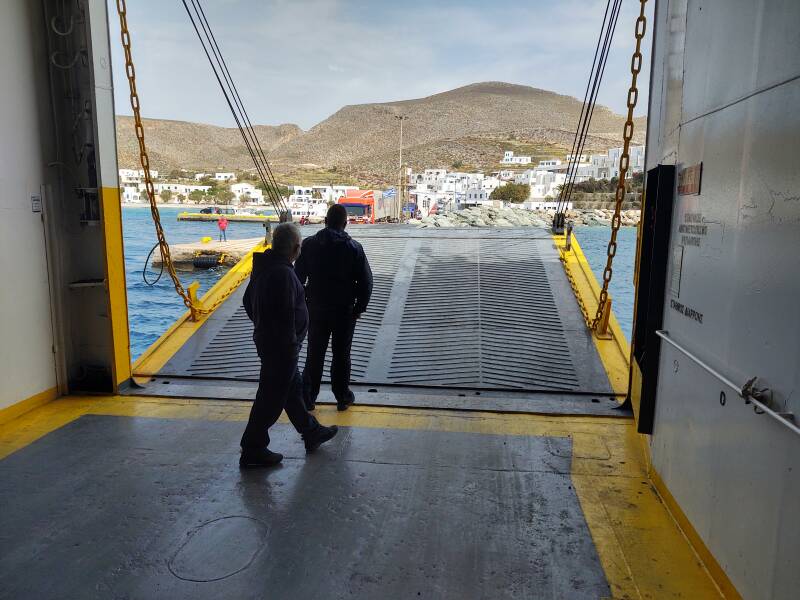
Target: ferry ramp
{"x":463,"y":318}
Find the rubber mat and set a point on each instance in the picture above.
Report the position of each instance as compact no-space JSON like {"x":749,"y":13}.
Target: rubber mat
{"x":477,"y":309}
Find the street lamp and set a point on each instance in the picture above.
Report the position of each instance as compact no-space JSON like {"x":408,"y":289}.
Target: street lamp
{"x":399,"y":194}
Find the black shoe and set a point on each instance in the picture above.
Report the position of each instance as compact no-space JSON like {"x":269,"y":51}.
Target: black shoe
{"x":263,"y":457}
{"x":345,"y":402}
{"x":316,"y":437}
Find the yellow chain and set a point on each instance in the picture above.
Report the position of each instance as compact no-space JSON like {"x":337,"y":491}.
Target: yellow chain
{"x":163,"y":246}
{"x":627,"y":134}
{"x":573,"y":284}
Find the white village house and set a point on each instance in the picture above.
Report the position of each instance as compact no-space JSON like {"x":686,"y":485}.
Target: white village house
{"x":510,"y":159}
{"x":247,"y":193}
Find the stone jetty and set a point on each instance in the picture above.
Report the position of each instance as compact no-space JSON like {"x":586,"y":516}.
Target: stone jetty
{"x":516,"y":217}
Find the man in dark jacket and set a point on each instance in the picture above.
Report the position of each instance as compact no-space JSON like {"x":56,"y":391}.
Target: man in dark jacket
{"x":275,"y":302}
{"x":338,"y":281}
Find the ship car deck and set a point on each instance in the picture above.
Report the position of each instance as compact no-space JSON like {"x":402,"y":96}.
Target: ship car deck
{"x":135,"y":497}
{"x":464,"y":318}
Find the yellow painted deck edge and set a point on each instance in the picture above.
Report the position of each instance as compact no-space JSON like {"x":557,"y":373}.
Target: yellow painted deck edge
{"x":173,"y":339}
{"x":9,"y":413}
{"x":115,"y":278}
{"x":615,"y":352}
{"x":716,"y":572}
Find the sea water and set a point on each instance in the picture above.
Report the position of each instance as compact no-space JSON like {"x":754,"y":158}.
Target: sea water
{"x":152,"y":309}
{"x":594,"y":243}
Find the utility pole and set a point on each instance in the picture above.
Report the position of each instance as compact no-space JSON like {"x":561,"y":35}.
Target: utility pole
{"x":399,"y":194}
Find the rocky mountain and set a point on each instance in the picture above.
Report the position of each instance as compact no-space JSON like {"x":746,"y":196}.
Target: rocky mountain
{"x":181,"y":144}
{"x":468,"y":126}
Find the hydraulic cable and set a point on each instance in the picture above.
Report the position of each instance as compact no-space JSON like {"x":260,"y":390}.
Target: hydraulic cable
{"x":236,"y":95}
{"x":238,"y":111}
{"x":235,"y":104}
{"x":586,"y":92}
{"x":147,"y":262}
{"x":601,"y":67}
{"x":590,"y":98}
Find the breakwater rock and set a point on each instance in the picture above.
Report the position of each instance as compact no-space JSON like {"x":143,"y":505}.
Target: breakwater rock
{"x":516,"y":217}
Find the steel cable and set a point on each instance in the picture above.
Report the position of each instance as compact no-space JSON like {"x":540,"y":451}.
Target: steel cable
{"x":234,"y":102}
{"x":587,"y":110}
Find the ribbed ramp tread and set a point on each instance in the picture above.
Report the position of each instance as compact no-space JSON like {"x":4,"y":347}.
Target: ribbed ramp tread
{"x":462,"y":309}
{"x":231,"y":352}
{"x":480,"y":313}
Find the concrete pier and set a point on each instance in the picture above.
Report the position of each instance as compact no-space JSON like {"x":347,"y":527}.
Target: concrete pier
{"x":232,"y":251}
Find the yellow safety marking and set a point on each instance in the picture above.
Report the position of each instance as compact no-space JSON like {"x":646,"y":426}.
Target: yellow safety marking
{"x":115,"y":278}
{"x":173,"y":339}
{"x":727,"y":589}
{"x":17,"y":409}
{"x":642,"y":550}
{"x":615,"y":351}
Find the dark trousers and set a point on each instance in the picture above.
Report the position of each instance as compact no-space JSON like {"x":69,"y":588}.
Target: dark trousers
{"x":336,"y":326}
{"x":280,"y":387}
{"x":222,"y":235}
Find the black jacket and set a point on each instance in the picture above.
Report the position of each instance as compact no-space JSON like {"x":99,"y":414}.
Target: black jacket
{"x":275,"y":302}
{"x":335,"y":271}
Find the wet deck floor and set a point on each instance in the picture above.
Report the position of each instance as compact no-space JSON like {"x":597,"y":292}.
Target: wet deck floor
{"x":142,"y":498}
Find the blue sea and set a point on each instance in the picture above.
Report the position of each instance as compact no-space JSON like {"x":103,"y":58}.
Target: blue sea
{"x":151,"y":310}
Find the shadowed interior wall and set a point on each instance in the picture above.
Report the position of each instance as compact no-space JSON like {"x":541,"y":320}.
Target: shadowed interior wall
{"x":27,"y":366}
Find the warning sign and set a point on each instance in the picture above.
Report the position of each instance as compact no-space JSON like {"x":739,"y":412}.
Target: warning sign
{"x":689,"y":179}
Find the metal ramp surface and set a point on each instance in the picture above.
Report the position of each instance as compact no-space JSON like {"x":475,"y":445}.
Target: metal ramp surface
{"x":470,"y":309}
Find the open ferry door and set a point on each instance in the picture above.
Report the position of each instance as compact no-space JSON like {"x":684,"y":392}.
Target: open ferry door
{"x":651,"y":281}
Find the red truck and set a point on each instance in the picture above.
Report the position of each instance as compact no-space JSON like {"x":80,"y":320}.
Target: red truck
{"x":362,"y":206}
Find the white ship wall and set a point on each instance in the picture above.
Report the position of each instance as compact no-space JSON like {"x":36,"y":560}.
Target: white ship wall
{"x":725,"y":91}
{"x":27,"y":366}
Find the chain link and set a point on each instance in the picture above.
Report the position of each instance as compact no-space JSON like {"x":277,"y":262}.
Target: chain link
{"x":144,"y":159}
{"x":624,"y":159}
{"x":574,"y":285}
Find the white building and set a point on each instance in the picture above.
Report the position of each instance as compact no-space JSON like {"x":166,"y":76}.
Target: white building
{"x":549,"y":165}
{"x":201,"y":176}
{"x":510,"y":159}
{"x":477,"y":197}
{"x":225,"y":176}
{"x":175,"y":188}
{"x":247,"y":192}
{"x":132,"y":193}
{"x":606,"y":166}
{"x":543,"y":184}
{"x":134,"y":176}
{"x":438,"y":189}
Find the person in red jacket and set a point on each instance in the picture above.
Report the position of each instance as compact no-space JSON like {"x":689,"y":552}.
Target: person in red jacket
{"x":222,"y":223}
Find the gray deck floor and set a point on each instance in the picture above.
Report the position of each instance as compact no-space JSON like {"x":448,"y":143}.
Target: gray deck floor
{"x":466,"y":309}
{"x":141,"y":508}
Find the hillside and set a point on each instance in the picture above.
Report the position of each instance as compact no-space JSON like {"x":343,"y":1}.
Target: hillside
{"x":470,"y":126}
{"x":181,"y":144}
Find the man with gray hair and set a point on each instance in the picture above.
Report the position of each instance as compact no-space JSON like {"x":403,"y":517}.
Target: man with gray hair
{"x":275,"y":302}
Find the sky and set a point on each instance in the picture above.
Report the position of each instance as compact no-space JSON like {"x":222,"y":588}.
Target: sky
{"x":299,"y":61}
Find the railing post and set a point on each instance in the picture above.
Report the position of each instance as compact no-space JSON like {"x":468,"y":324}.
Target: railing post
{"x":602,"y":325}
{"x":192,"y":289}
{"x":568,"y":237}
